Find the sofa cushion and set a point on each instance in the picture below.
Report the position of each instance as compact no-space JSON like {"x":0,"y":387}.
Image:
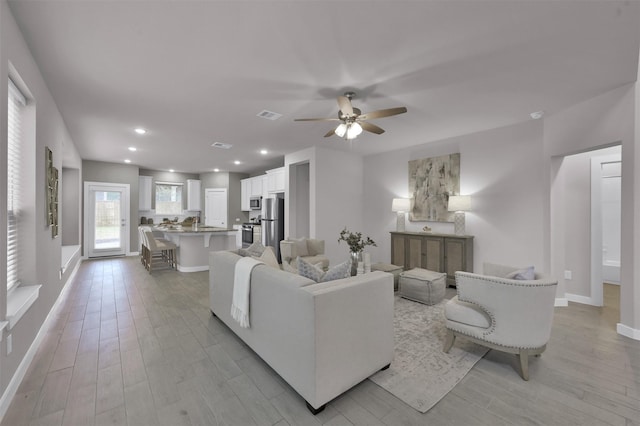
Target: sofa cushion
{"x":301,"y":247}
{"x":320,"y":260}
{"x":522,"y":274}
{"x":466,"y":313}
{"x":268,"y":257}
{"x":255,"y":249}
{"x":286,"y":266}
{"x":316,"y":273}
{"x":309,"y":270}
{"x":315,"y":247}
{"x":341,"y":270}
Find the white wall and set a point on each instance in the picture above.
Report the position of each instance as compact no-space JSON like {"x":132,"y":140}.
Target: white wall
{"x":50,"y":131}
{"x":335,"y":197}
{"x":502,"y":171}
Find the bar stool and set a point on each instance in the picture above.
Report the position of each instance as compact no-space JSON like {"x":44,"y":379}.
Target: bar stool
{"x":159,"y":249}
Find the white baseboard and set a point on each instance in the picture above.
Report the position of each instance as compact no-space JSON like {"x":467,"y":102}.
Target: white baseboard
{"x":192,"y":268}
{"x":21,"y":371}
{"x":561,"y":302}
{"x":585,"y":300}
{"x":632,"y":333}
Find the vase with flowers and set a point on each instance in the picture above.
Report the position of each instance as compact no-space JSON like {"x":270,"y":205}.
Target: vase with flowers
{"x":356,"y":243}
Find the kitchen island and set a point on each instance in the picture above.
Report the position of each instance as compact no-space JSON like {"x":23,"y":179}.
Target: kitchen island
{"x":194,"y":245}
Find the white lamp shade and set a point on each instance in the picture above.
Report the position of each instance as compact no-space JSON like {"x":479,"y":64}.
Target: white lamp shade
{"x":354,"y":130}
{"x":401,"y":205}
{"x":459,"y":203}
{"x":341,"y":130}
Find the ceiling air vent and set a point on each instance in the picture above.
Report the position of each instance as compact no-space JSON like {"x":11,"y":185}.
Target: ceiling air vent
{"x":269,"y":115}
{"x":221,"y":145}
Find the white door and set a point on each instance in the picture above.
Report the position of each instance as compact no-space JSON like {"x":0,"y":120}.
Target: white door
{"x":215,"y":213}
{"x":106,"y":213}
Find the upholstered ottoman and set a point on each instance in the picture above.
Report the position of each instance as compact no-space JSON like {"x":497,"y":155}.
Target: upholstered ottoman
{"x":395,"y":270}
{"x":423,"y":286}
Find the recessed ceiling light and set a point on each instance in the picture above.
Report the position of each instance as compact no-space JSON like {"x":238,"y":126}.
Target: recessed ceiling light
{"x":264,"y":152}
{"x":216,"y":170}
{"x":537,"y":115}
{"x":140,"y":130}
{"x":133,"y":148}
{"x":127,"y":161}
{"x":171,"y":170}
{"x":236,"y":162}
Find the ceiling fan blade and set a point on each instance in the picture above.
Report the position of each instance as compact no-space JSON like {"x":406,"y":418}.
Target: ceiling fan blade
{"x":370,"y":127}
{"x":330,"y":133}
{"x":383,"y":113}
{"x":345,"y":105}
{"x":316,"y":119}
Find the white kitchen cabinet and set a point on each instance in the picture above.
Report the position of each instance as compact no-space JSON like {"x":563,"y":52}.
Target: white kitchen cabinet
{"x":275,"y":180}
{"x":193,"y":195}
{"x":145,"y":185}
{"x":265,"y":187}
{"x":256,"y":186}
{"x":245,"y":194}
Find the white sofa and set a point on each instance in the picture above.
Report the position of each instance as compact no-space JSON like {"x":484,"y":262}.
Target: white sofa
{"x":321,"y":338}
{"x":309,"y":249}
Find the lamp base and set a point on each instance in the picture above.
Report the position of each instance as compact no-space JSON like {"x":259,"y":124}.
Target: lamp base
{"x":400,"y":222}
{"x":458,"y":223}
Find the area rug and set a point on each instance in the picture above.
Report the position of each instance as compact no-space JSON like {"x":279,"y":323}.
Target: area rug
{"x":421,"y":374}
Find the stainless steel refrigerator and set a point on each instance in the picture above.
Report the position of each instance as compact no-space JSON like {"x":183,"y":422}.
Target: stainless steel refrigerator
{"x":273,"y":223}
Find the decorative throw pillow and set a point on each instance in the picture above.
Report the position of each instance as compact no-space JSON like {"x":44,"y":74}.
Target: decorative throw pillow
{"x":243,"y":252}
{"x":342,"y":270}
{"x":287,"y":267}
{"x":256,"y":249}
{"x":268,"y":257}
{"x":315,"y":272}
{"x":527,"y":274}
{"x":308,"y":270}
{"x":301,"y":247}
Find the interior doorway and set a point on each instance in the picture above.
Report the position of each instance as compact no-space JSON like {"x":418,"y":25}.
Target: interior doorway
{"x":586,"y":210}
{"x":106,"y":212}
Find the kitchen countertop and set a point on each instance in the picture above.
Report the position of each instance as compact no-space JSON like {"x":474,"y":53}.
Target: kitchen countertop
{"x":179,"y":229}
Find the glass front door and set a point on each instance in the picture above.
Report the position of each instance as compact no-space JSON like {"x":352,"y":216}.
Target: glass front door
{"x":107,"y":220}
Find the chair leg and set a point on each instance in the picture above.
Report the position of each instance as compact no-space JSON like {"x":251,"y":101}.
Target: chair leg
{"x":448,"y":343}
{"x":524,"y":363}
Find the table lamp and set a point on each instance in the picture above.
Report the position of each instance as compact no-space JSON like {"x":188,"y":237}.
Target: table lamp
{"x":400,"y":205}
{"x":459,"y":204}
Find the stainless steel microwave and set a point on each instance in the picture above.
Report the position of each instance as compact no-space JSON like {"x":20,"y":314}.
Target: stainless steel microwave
{"x":255,"y":203}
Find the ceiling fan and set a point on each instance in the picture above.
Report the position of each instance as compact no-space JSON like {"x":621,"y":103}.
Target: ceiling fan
{"x":353,"y":121}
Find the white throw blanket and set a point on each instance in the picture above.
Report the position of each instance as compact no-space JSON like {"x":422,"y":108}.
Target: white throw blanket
{"x":242,"y":289}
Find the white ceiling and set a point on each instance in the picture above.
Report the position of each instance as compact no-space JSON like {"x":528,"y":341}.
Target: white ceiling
{"x":198,"y":72}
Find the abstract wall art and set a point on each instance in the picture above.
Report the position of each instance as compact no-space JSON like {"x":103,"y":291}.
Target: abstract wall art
{"x":52,"y":193}
{"x":431,"y":182}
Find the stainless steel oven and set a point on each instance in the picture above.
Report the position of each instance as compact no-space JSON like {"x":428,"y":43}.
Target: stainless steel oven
{"x":247,"y":234}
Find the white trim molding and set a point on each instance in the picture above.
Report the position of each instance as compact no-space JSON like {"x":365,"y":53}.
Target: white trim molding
{"x":585,"y":300}
{"x":631,"y":333}
{"x":561,"y":302}
{"x":21,"y":371}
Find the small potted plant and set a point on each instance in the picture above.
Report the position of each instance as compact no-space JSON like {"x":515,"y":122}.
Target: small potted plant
{"x":356,"y":243}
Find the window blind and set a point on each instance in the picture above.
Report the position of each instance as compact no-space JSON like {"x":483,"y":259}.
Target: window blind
{"x":15,"y":110}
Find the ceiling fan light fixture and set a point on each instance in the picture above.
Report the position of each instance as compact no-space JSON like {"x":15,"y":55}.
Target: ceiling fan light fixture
{"x":354,"y":130}
{"x":341,"y":130}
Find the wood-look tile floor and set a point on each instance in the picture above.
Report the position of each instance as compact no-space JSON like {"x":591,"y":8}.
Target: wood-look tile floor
{"x":129,"y":348}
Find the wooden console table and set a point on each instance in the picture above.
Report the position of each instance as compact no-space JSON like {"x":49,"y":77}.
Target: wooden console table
{"x":436,"y":252}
